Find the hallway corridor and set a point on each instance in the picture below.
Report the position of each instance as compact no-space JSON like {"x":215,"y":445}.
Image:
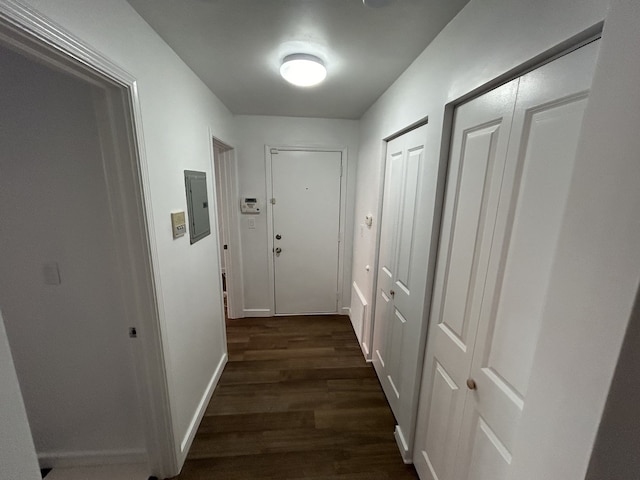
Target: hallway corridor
{"x":296,"y":401}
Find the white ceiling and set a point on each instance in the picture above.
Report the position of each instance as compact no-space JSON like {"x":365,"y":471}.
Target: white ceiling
{"x":236,"y":47}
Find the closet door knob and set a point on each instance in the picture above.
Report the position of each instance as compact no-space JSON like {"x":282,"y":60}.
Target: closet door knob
{"x":472,"y":384}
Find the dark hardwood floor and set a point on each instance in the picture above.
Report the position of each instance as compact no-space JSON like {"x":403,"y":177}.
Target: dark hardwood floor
{"x":296,"y":401}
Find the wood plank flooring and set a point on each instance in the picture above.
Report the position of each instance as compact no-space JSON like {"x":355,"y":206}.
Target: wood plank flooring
{"x":296,"y":401}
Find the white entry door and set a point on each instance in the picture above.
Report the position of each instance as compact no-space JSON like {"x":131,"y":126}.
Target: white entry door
{"x":512,"y":156}
{"x":410,"y":203}
{"x":306,"y":230}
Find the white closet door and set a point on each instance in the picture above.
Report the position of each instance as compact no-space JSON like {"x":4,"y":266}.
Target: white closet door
{"x":542,"y":150}
{"x":387,"y":259}
{"x":478,"y":151}
{"x":491,"y":284}
{"x":410,"y":200}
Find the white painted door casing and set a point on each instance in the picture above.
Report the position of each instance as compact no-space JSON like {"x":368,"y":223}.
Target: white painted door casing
{"x":469,"y":434}
{"x":306,"y":186}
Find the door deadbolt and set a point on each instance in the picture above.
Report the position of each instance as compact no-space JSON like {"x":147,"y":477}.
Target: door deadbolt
{"x":278,"y":251}
{"x":278,"y":237}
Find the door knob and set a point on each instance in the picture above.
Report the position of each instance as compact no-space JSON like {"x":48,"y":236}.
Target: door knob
{"x":278,"y":250}
{"x":278,"y":237}
{"x":392,"y":293}
{"x":471,"y":384}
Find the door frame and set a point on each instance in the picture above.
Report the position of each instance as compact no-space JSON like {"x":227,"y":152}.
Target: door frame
{"x":224,"y":155}
{"x":342,"y":225}
{"x":126,"y":174}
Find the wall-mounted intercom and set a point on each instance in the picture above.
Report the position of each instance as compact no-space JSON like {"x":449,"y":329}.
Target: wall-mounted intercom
{"x":249,"y":205}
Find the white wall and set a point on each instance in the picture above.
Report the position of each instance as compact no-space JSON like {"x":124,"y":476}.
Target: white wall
{"x":584,"y":320}
{"x":69,"y":341}
{"x":17,"y":453}
{"x":254,"y":132}
{"x":615,"y":453}
{"x":595,"y":276}
{"x":485,"y":40}
{"x":177,"y":113}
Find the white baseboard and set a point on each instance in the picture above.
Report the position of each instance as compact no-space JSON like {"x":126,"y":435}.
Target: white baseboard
{"x":346,"y":311}
{"x":91,"y":457}
{"x":365,"y":352}
{"x":257,"y":312}
{"x":402,"y":445}
{"x":202,"y":406}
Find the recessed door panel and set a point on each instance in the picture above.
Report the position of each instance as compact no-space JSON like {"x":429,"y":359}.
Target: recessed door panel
{"x":446,"y":400}
{"x":384,"y":307}
{"x":396,"y":340}
{"x":476,"y":175}
{"x":407,"y":218}
{"x":390,"y":214}
{"x":491,"y":459}
{"x":548,"y":159}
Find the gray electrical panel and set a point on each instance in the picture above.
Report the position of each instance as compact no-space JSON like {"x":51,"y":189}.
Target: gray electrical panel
{"x":197,"y":204}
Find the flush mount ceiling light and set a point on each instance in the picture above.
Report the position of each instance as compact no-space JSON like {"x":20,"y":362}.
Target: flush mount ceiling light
{"x":376,"y":3}
{"x":303,"y":70}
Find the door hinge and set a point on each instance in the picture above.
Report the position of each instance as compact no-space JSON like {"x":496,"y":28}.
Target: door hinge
{"x":133,"y":332}
{"x":340,"y":170}
{"x":274,"y":151}
{"x":272,"y":201}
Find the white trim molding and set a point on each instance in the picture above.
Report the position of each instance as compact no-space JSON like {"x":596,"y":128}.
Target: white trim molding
{"x":92,"y":458}
{"x":202,"y":407}
{"x":257,"y":312}
{"x":38,"y":37}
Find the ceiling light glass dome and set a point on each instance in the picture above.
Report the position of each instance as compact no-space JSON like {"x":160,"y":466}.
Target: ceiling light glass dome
{"x":376,"y":3}
{"x":303,"y":70}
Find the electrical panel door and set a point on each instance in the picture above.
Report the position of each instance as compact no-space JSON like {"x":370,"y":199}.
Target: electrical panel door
{"x":197,"y":204}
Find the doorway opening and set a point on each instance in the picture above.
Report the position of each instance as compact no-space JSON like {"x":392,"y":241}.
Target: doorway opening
{"x":59,"y":294}
{"x":226,"y":191}
{"x":77,"y":290}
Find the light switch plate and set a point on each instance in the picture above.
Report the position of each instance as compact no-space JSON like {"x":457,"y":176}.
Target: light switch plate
{"x":178,"y":224}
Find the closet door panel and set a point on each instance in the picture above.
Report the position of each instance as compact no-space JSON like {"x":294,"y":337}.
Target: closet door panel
{"x":477,"y":155}
{"x":387,"y":252}
{"x":540,"y":160}
{"x":477,"y":173}
{"x":548,"y":159}
{"x":410,"y":213}
{"x":406,"y":233}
